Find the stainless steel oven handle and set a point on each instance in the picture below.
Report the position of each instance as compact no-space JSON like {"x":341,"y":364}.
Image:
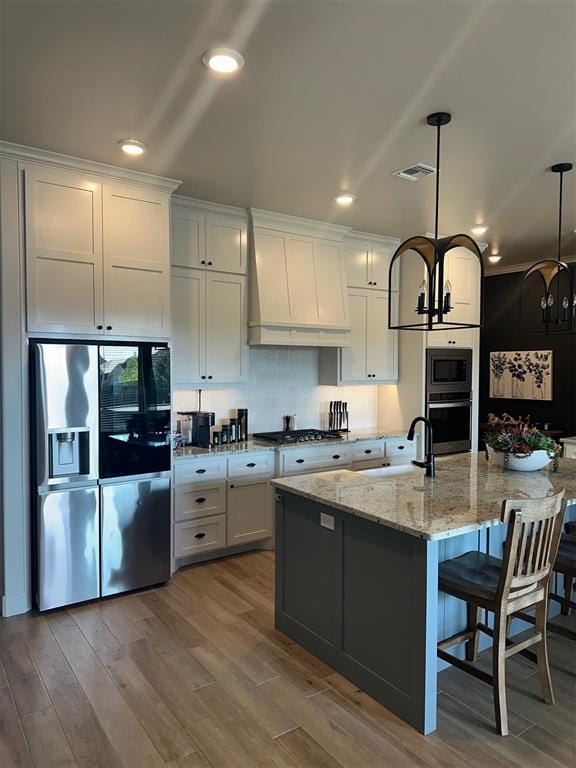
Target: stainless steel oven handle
{"x":451,"y":404}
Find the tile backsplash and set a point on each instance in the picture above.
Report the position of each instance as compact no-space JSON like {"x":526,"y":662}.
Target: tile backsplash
{"x":283,"y":380}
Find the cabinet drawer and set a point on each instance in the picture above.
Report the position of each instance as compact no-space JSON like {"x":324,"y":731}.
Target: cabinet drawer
{"x":191,"y":501}
{"x":254,"y":465}
{"x":401,"y":449}
{"x":368,"y":451}
{"x":199,"y":471}
{"x":193,"y":538}
{"x":295,"y":462}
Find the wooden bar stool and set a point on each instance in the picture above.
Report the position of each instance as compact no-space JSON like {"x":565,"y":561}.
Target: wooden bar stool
{"x":519,"y":582}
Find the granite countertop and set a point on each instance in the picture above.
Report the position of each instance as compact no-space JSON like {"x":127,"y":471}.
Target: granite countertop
{"x":466,"y":494}
{"x":354,"y":436}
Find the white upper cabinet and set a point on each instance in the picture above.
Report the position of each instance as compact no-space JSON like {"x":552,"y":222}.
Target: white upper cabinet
{"x":217,"y":242}
{"x":372,"y":357}
{"x":226,"y":244}
{"x":208,"y":328}
{"x":367,"y":259}
{"x":462,"y":270}
{"x":136,"y":262}
{"x":298,"y":283}
{"x":63,"y":223}
{"x":97,"y":255}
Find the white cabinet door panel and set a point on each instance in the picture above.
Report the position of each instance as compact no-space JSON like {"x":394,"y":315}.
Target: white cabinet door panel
{"x":188,"y":238}
{"x":225,"y":328}
{"x":249,"y":512}
{"x":354,"y":359}
{"x":136,"y":261}
{"x":380,"y":259}
{"x":188,"y":326}
{"x":63,"y":215}
{"x":382,"y":342}
{"x":357,"y":264}
{"x":226,"y":244}
{"x":330,"y":291}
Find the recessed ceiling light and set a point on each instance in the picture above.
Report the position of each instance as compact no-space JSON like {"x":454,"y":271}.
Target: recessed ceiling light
{"x":480,"y":230}
{"x":132,"y":146}
{"x":224,"y":61}
{"x":345,"y":198}
{"x":494,"y":259}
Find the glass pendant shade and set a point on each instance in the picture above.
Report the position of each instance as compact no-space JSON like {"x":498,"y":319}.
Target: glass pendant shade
{"x":434,"y":298}
{"x":556,"y":279}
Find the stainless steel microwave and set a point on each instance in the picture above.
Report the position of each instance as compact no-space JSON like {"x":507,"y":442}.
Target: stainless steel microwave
{"x":448,"y":370}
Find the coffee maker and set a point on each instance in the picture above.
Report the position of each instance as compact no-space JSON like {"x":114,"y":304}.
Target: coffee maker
{"x":196,"y":427}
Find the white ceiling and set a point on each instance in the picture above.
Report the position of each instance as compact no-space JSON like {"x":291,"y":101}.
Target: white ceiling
{"x":334,"y":94}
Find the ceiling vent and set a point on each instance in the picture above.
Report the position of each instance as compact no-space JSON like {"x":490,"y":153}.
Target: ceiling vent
{"x":415,"y":172}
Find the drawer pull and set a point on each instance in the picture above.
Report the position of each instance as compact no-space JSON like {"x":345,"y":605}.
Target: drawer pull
{"x":368,"y":450}
{"x":201,"y":500}
{"x":199,"y":535}
{"x":299,"y":461}
{"x":200,"y":471}
{"x":251,"y":464}
{"x":400,"y":447}
{"x":336,"y":456}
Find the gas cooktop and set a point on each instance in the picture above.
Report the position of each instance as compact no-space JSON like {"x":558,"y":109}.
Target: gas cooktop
{"x":297,"y":436}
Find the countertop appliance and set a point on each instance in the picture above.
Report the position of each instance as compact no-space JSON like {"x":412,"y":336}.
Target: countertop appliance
{"x":449,"y":399}
{"x":297,"y":436}
{"x":100,"y":454}
{"x":198,"y":427}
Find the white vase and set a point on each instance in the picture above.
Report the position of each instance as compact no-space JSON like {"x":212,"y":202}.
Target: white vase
{"x":520,"y":462}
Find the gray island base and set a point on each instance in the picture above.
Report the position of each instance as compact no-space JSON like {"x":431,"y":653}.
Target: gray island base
{"x":357,"y":567}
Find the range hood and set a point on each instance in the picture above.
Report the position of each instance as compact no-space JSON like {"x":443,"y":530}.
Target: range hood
{"x":298,"y":293}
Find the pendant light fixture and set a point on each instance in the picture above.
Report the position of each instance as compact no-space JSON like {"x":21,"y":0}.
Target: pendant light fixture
{"x":557,"y":303}
{"x":434,"y":299}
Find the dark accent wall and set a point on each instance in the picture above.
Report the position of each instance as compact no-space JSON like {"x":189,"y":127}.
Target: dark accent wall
{"x":511,"y":323}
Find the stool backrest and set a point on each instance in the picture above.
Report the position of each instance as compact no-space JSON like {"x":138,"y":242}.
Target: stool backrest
{"x":534,"y":529}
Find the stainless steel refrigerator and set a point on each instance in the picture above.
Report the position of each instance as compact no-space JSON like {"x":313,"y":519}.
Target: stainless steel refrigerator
{"x":101,"y":469}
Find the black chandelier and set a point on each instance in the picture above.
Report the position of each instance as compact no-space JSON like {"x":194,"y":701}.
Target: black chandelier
{"x":558,"y":300}
{"x":434,"y":301}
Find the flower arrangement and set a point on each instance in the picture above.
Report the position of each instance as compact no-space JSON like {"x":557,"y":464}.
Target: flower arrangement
{"x":520,"y":441}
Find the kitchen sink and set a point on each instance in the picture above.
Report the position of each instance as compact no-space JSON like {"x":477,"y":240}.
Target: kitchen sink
{"x":400,"y":469}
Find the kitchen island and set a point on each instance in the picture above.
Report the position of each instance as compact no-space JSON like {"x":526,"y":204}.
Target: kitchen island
{"x":357,"y":566}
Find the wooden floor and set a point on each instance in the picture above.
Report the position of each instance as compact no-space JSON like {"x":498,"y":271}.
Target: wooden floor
{"x":194,"y":675}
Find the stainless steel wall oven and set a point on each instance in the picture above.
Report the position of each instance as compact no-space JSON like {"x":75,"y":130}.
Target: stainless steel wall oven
{"x":449,"y":398}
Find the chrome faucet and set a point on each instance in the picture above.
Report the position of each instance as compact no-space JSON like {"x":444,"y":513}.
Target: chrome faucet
{"x":429,"y":464}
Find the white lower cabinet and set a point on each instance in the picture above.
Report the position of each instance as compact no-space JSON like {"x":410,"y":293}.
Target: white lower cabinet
{"x":198,"y":536}
{"x":250,"y":511}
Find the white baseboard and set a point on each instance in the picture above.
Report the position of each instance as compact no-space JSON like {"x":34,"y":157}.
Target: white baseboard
{"x":12,"y":605}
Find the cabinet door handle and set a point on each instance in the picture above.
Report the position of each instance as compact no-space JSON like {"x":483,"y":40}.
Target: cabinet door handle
{"x":209,"y":377}
{"x":299,"y":461}
{"x":374,"y":283}
{"x":336,"y":456}
{"x":251,"y":464}
{"x":232,"y":485}
{"x":201,"y":500}
{"x":368,"y":450}
{"x":202,"y":377}
{"x":108,"y":327}
{"x":209,"y":263}
{"x":199,"y":535}
{"x":203,"y":261}
{"x":99,"y":327}
{"x":200,"y":471}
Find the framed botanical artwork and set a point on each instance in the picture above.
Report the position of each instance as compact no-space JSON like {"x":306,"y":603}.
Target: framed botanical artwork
{"x":521,"y":375}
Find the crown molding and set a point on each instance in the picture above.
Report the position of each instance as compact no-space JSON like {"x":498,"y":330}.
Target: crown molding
{"x":355,"y":234}
{"x":282,"y":222}
{"x":509,"y":269}
{"x":206,"y":206}
{"x":56,"y":159}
